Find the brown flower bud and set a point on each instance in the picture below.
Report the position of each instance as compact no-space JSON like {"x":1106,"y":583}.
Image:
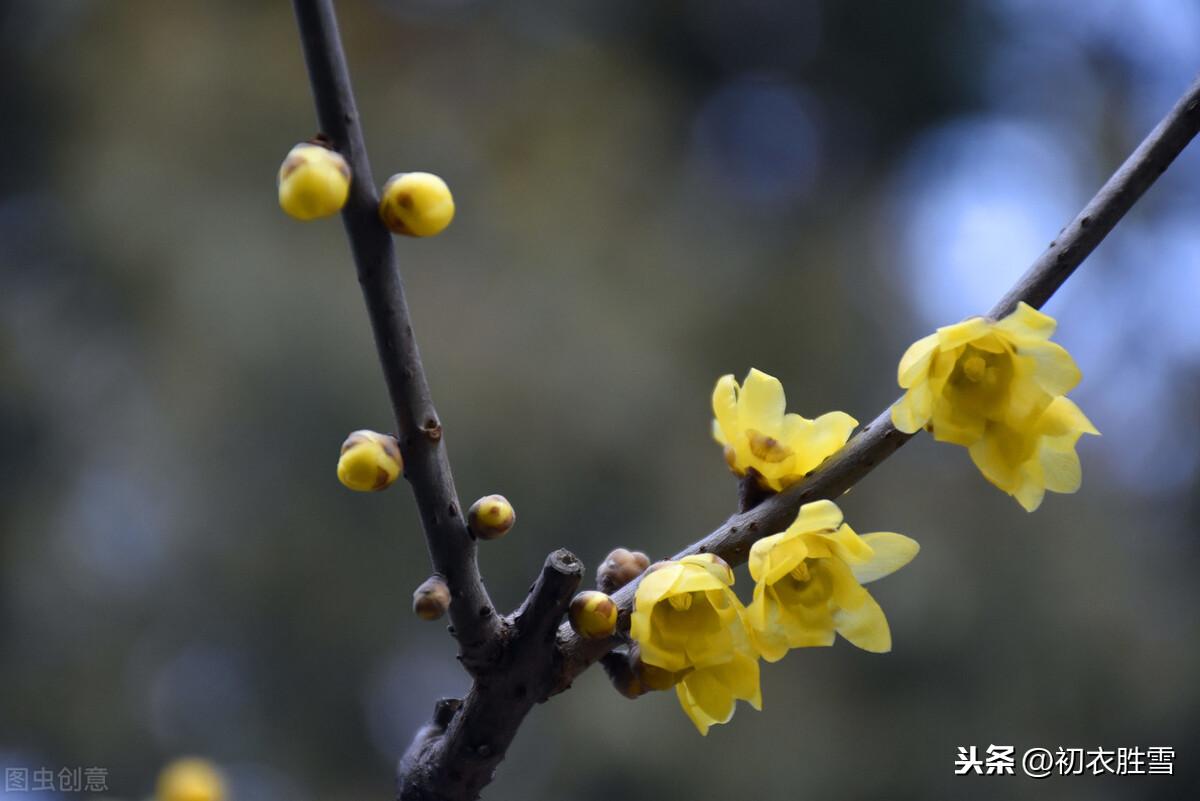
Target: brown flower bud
{"x":431,"y":599}
{"x":619,"y":568}
{"x":491,"y":517}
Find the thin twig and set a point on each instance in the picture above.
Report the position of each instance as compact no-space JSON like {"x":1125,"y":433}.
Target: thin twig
{"x":880,"y":439}
{"x":422,"y":439}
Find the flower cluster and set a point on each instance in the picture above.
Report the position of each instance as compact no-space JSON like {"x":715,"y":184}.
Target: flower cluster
{"x":999,"y":389}
{"x":689,"y":624}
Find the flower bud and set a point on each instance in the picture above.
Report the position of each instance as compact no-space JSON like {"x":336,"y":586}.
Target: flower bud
{"x":491,"y":517}
{"x":314,"y":181}
{"x":190,"y":779}
{"x":593,"y":615}
{"x":619,"y":568}
{"x":416,"y":204}
{"x":369,"y":461}
{"x":431,"y":599}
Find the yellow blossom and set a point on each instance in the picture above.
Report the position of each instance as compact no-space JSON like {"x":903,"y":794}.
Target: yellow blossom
{"x":190,"y":779}
{"x":809,"y":581}
{"x":997,"y":388}
{"x":708,"y":695}
{"x":757,"y":434}
{"x":687,"y":620}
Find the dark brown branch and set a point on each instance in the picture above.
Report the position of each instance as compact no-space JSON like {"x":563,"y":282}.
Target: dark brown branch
{"x":455,"y":760}
{"x":422,"y":441}
{"x":880,"y":439}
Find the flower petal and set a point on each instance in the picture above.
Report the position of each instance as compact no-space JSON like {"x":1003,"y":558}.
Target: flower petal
{"x":1027,"y":322}
{"x":891,"y":552}
{"x":1054,"y":369}
{"x":953,"y":336}
{"x":914,"y":364}
{"x":866,"y":626}
{"x":761,"y":403}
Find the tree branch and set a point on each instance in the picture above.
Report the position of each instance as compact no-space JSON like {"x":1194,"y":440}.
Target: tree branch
{"x":524,"y":658}
{"x":880,"y":439}
{"x":422,"y":444}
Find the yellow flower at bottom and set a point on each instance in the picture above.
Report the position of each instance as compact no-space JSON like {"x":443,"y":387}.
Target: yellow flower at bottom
{"x":190,"y":779}
{"x":990,"y":386}
{"x":809,"y":581}
{"x":687,"y":620}
{"x":757,"y":434}
{"x":708,"y":695}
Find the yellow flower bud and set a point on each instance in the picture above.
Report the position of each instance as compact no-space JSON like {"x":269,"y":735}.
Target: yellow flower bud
{"x":491,"y":517}
{"x":314,"y":182}
{"x":190,"y":779}
{"x":369,"y":461}
{"x":431,"y":599}
{"x":593,"y":615}
{"x":619,"y":568}
{"x":416,"y":204}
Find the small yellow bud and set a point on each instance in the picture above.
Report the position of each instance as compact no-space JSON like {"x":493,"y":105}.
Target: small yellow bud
{"x":491,"y":517}
{"x":190,"y":779}
{"x":593,"y":615}
{"x":314,"y":182}
{"x":431,"y":599}
{"x":369,"y":461}
{"x":416,"y":204}
{"x":619,"y":568}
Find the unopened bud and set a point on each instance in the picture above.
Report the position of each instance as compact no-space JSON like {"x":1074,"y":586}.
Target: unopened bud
{"x":593,"y":615}
{"x":416,"y":204}
{"x":190,"y":779}
{"x":369,"y":461}
{"x":314,"y":181}
{"x":619,"y":568}
{"x":431,"y":599}
{"x":491,"y":517}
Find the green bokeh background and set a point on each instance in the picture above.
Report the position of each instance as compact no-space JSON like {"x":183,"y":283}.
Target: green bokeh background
{"x":179,"y":362}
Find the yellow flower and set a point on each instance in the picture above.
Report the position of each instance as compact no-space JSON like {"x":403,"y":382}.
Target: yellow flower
{"x":997,"y":388}
{"x":1025,"y":463}
{"x":809,"y":581}
{"x":708,"y":695}
{"x":687,"y":619}
{"x":757,"y":434}
{"x":190,"y":779}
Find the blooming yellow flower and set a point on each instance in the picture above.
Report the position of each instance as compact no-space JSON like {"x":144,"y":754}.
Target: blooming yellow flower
{"x":757,"y":434}
{"x":997,"y":388}
{"x":687,"y":619}
{"x":708,"y":695}
{"x":809,"y":581}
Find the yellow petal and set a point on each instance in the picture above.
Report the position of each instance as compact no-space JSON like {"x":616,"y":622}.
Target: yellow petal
{"x":761,"y":403}
{"x":865,"y":626}
{"x":891,"y":552}
{"x":1027,"y":322}
{"x":914,"y":364}
{"x":1054,"y":369}
{"x":959,"y":334}
{"x":1060,"y":468}
{"x":724,"y":403}
{"x":699,"y":719}
{"x":820,"y":515}
{"x":1063,"y":418}
{"x":912,"y":412}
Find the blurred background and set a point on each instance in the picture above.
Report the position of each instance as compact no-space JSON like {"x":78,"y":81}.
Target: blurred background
{"x":650,"y":194}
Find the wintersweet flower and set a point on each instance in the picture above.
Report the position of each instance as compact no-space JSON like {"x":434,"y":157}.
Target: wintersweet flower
{"x":809,"y":581}
{"x":687,"y":620}
{"x":708,"y":695}
{"x":780,"y":448}
{"x":990,"y":385}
